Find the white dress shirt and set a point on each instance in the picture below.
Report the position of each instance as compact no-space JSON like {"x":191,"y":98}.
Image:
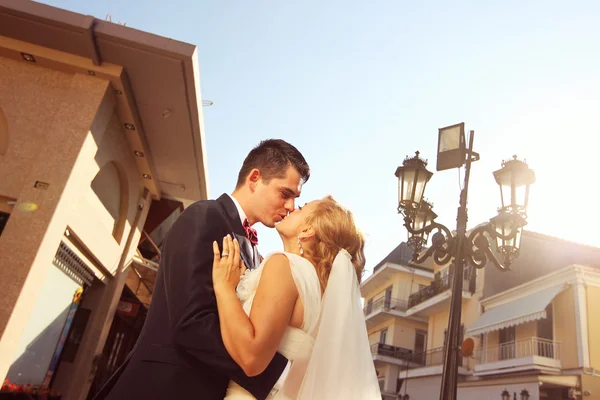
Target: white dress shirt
{"x":281,"y":380}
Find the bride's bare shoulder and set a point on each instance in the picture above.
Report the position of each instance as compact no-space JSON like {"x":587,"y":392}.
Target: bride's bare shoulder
{"x":277,"y":259}
{"x":276,"y":278}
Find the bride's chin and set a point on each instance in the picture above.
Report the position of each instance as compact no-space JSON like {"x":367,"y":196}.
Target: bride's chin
{"x":282,"y":229}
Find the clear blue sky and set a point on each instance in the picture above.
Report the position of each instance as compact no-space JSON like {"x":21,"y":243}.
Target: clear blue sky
{"x":356,"y":86}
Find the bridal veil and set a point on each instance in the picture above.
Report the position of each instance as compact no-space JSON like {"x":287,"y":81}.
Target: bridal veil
{"x":341,"y":364}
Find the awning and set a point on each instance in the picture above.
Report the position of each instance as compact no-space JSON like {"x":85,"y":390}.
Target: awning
{"x":516,"y":312}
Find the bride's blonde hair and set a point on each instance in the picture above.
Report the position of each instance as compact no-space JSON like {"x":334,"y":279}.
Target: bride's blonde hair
{"x":334,"y":230}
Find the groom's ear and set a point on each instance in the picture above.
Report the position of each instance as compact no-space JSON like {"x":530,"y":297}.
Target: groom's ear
{"x":307,"y":233}
{"x":253,"y":178}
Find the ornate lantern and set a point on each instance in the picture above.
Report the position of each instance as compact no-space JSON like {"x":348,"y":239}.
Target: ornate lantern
{"x":514,"y":179}
{"x":412,"y":179}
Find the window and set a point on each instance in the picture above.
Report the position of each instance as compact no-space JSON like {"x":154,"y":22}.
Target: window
{"x":461,"y":334}
{"x":388,"y":297}
{"x":369,"y":305}
{"x":545,"y":325}
{"x":485,"y":351}
{"x":3,"y":220}
{"x":44,"y":329}
{"x":545,"y":332}
{"x":420,"y":346}
{"x":461,"y":338}
{"x":506,"y":341}
{"x":507,"y":335}
{"x":383,"y":336}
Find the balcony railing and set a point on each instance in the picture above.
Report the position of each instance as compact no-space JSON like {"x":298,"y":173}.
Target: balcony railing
{"x":440,"y":285}
{"x":431,"y":358}
{"x":388,"y":350}
{"x":385,"y":304}
{"x":518,"y":349}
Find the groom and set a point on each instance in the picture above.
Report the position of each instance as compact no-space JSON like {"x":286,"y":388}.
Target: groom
{"x":180,"y":353}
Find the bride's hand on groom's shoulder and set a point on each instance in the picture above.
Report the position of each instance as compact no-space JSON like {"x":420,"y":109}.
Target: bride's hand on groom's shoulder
{"x":228,"y":266}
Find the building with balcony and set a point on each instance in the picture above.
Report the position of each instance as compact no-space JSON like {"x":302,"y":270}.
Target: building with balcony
{"x":396,"y":336}
{"x":101,"y":147}
{"x":533,"y":327}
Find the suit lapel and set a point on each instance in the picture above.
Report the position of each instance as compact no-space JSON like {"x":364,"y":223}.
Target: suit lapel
{"x":247,"y":250}
{"x":256,"y":255}
{"x":237,"y":230}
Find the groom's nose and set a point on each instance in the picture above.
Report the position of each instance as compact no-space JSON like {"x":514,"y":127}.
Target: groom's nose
{"x":289,"y":205}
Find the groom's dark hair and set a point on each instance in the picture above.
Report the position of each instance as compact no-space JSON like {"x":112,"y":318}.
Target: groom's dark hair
{"x":272,"y":157}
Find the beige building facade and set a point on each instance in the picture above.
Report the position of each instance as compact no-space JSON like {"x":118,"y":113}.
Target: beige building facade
{"x":534,"y":327}
{"x":101,"y":147}
{"x":397,"y":339}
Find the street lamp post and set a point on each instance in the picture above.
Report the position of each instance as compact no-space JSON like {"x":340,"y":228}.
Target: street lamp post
{"x":514,"y":180}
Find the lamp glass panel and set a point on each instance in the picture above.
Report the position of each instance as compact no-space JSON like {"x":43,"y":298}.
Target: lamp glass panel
{"x":419,"y":222}
{"x":505,"y":192}
{"x":430,"y":218}
{"x":449,"y":139}
{"x":517,"y":240}
{"x":420,"y":187}
{"x":406,"y":186}
{"x":521,"y":191}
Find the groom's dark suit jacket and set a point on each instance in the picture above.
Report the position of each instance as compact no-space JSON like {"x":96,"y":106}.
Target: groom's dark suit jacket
{"x":180,"y":353}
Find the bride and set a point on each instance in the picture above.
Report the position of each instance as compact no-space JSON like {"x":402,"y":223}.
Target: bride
{"x":304,"y":303}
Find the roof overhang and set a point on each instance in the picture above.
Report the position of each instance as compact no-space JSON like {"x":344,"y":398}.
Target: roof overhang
{"x":155,"y":79}
{"x":389,"y":271}
{"x":571,"y":274}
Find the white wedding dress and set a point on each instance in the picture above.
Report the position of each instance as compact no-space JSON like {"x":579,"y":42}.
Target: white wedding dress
{"x":296,"y":344}
{"x":329,"y":354}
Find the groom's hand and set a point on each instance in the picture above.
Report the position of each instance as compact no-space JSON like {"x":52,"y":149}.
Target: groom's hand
{"x":228,"y":267}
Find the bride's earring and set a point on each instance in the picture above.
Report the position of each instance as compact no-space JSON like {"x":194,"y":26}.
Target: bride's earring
{"x":300,"y":246}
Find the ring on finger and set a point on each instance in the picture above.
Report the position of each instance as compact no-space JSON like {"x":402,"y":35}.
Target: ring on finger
{"x":224,"y":254}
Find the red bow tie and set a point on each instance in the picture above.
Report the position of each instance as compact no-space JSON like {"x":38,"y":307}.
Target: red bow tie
{"x":250,"y":233}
